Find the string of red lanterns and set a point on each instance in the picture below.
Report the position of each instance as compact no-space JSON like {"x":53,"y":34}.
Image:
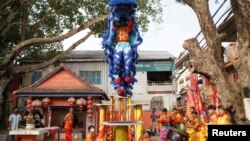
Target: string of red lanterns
{"x":90,"y":107}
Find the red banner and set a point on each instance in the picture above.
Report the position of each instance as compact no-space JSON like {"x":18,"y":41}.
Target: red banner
{"x":211,"y":91}
{"x":199,"y":104}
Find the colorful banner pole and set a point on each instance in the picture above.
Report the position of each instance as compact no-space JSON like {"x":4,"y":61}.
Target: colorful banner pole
{"x":102,"y":117}
{"x":120,"y":109}
{"x":109,"y":136}
{"x":138,"y":118}
{"x":128,"y":114}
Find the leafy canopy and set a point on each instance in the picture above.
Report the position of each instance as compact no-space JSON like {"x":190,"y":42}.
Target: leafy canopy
{"x":47,"y":18}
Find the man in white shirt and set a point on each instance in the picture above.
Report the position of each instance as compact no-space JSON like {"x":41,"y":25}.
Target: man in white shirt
{"x":14,"y":120}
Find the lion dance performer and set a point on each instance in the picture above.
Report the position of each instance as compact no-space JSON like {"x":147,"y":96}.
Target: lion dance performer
{"x":120,"y":44}
{"x":164,"y":123}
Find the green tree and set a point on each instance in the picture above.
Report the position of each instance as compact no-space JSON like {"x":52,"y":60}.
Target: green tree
{"x":210,"y":62}
{"x":28,"y":28}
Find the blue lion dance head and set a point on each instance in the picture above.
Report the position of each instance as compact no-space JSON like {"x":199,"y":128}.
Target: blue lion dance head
{"x":121,"y":55}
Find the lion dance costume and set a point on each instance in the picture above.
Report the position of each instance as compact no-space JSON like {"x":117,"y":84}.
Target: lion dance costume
{"x":120,"y":43}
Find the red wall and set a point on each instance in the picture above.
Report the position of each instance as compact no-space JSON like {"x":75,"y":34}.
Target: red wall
{"x":12,"y":86}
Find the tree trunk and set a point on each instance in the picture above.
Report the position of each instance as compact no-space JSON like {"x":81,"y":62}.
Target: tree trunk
{"x":203,"y":62}
{"x":3,"y":84}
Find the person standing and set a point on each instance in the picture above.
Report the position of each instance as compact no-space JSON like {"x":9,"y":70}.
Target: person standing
{"x":38,"y":116}
{"x":224,"y":118}
{"x":91,"y":136}
{"x":14,"y":120}
{"x":153,"y":122}
{"x":68,"y":124}
{"x":146,"y":136}
{"x":164,"y":122}
{"x":212,"y":114}
{"x":192,"y":124}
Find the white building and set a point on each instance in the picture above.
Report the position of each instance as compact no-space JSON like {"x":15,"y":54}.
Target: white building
{"x":154,"y":75}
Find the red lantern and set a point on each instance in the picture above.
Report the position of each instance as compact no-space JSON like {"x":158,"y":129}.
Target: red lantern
{"x":29,"y":101}
{"x":71,"y":101}
{"x":90,"y":98}
{"x":28,"y":106}
{"x":90,"y":111}
{"x":81,"y":102}
{"x":89,"y":106}
{"x":89,"y":115}
{"x":90,"y":102}
{"x":33,"y":104}
{"x":36,"y":103}
{"x":46,"y":101}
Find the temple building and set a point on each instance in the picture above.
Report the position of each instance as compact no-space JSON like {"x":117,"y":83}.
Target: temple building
{"x":57,"y":91}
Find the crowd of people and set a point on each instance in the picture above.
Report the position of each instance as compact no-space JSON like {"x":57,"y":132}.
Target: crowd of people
{"x":191,"y":123}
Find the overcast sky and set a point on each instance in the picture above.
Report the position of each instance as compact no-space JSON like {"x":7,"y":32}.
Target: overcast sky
{"x":179,"y":23}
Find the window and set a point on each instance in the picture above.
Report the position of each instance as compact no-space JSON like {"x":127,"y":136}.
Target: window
{"x":92,"y":76}
{"x":163,"y":77}
{"x":36,"y":75}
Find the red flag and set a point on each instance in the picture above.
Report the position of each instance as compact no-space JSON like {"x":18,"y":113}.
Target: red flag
{"x":212,"y":92}
{"x":195,"y":87}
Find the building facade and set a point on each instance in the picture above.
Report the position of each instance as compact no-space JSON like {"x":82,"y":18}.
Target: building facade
{"x":154,"y":75}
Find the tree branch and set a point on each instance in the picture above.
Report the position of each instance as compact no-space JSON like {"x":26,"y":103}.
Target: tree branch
{"x":24,"y":44}
{"x":6,"y":25}
{"x":50,"y":12}
{"x":4,"y":5}
{"x":241,"y":11}
{"x":192,"y":45}
{"x":33,"y":67}
{"x":208,"y":28}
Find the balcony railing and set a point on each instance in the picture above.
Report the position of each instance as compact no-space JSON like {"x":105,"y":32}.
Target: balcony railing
{"x":159,"y":83}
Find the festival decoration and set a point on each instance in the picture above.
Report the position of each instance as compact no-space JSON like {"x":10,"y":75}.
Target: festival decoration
{"x":46,"y":101}
{"x":199,"y":104}
{"x":81,"y":102}
{"x":90,"y":108}
{"x":71,"y":101}
{"x":29,"y":101}
{"x":102,"y":110}
{"x":28,"y":106}
{"x":120,"y":43}
{"x":36,"y":103}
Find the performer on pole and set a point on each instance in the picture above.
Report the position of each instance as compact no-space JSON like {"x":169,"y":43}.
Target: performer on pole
{"x":120,"y":44}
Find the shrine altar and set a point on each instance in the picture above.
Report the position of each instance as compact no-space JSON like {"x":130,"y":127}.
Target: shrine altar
{"x":36,"y":134}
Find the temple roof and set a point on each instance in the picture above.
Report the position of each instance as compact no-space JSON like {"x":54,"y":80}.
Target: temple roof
{"x":62,"y":82}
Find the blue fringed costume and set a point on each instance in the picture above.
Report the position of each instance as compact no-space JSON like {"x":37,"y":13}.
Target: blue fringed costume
{"x":120,"y":44}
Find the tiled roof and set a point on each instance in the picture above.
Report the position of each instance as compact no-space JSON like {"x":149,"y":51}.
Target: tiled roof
{"x":60,"y":90}
{"x":99,"y":54}
{"x":87,"y":87}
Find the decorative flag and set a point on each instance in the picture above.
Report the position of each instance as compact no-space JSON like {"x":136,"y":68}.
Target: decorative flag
{"x":198,"y":99}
